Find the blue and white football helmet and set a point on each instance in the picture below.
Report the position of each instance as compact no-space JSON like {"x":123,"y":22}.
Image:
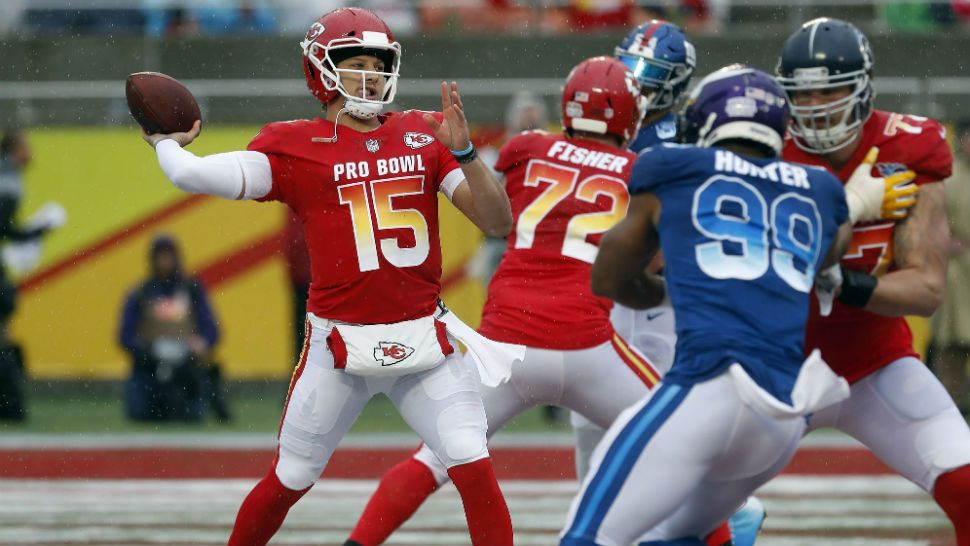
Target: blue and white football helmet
{"x":662,"y":59}
{"x":822,"y":55}
{"x":736,"y":102}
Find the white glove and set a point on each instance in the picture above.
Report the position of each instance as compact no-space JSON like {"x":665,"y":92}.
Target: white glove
{"x":827,"y":283}
{"x":50,"y":215}
{"x":22,"y":257}
{"x":874,"y":198}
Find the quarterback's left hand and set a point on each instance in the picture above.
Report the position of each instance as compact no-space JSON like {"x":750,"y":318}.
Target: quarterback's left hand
{"x":453,"y":130}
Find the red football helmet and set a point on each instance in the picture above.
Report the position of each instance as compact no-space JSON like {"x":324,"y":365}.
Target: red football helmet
{"x":341,"y":34}
{"x":602,"y":96}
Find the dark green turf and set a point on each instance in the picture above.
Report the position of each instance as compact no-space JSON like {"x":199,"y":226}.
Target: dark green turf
{"x":253,"y":413}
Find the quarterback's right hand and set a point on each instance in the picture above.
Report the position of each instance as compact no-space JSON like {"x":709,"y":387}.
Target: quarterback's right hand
{"x":874,"y":198}
{"x":183,"y":139}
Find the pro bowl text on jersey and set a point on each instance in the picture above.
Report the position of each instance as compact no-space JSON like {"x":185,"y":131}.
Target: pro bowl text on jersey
{"x":352,"y":170}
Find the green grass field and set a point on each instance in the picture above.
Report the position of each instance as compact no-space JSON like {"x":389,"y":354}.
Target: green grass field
{"x":253,"y":413}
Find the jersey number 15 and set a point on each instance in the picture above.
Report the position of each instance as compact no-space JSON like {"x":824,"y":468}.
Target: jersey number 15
{"x":381,"y":207}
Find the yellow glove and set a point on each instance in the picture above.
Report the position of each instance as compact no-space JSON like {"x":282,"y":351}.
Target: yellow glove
{"x":900,"y":195}
{"x":874,"y":198}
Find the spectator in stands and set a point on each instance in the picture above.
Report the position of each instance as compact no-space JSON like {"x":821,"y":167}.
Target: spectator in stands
{"x":208,"y":17}
{"x":295,"y":16}
{"x":169,"y":329}
{"x":595,"y":15}
{"x":15,"y":156}
{"x":298,"y":267}
{"x":11,"y":15}
{"x":525,"y":112}
{"x":920,"y":16}
{"x":163,"y":18}
{"x":961,"y":9}
{"x":951,"y":325}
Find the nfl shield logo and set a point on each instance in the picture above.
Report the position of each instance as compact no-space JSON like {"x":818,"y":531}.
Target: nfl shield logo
{"x":372,"y":145}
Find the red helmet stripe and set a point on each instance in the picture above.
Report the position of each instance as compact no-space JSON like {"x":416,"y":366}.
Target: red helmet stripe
{"x":648,"y":32}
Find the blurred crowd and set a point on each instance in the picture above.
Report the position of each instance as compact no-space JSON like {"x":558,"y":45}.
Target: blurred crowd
{"x":157,"y":18}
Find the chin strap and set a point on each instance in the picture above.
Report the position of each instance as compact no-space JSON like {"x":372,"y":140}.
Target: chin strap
{"x":362,"y":110}
{"x":333,"y":139}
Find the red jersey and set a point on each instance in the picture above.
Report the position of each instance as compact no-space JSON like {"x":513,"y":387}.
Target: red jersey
{"x":369,"y":208}
{"x":565,"y":193}
{"x":855,"y":342}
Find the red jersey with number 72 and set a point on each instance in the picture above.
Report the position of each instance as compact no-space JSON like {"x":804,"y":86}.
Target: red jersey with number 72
{"x":565,"y":194}
{"x":855,"y":342}
{"x":369,"y":208}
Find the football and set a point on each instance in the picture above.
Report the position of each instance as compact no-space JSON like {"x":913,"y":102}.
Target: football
{"x":160,"y":103}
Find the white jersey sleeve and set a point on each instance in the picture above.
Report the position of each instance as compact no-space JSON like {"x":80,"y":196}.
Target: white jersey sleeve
{"x":232,"y":175}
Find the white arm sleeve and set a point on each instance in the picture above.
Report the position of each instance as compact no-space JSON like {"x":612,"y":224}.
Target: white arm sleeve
{"x":451,"y":182}
{"x":233,"y":175}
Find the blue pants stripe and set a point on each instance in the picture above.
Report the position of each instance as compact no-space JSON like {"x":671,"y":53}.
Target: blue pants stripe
{"x":620,"y":458}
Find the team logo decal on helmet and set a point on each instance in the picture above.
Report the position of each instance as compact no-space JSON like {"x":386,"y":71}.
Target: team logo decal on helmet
{"x":662,"y":60}
{"x":601,"y":96}
{"x":824,"y":55}
{"x":736,"y":102}
{"x":342,"y":34}
{"x":316,"y":29}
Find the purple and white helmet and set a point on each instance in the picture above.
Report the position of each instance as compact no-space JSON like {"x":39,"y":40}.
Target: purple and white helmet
{"x":736,"y":102}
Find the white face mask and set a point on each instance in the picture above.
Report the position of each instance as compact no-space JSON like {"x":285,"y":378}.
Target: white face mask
{"x":358,"y":106}
{"x":825,"y":128}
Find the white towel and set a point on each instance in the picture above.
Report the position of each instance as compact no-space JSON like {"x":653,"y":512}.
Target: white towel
{"x":493,"y":359}
{"x":816,"y":387}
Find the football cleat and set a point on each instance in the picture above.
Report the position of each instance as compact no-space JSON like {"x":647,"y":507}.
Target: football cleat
{"x":747,"y":522}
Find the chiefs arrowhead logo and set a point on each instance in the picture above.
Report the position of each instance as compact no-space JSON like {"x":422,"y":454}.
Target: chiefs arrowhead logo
{"x":316,"y":29}
{"x":389,"y":353}
{"x":417,"y":140}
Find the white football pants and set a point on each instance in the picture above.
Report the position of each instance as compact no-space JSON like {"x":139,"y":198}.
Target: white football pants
{"x":598,"y":383}
{"x":652,"y":333}
{"x":905,"y":417}
{"x":442,"y":405}
{"x":677,"y":465}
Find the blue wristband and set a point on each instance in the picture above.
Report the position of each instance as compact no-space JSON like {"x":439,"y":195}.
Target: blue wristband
{"x":467,"y":151}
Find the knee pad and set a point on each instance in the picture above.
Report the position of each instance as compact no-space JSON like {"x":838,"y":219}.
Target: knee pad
{"x":302,"y":458}
{"x":462,"y":429}
{"x":425,"y":456}
{"x":911,"y":391}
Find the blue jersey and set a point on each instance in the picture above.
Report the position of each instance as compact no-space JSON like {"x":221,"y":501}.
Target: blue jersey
{"x":658,"y":132}
{"x":742,"y":238}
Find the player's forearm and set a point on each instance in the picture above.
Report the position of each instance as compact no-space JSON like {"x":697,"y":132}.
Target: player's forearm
{"x":917,"y":286}
{"x":843,"y":238}
{"x":492,"y":211}
{"x":908,"y":292}
{"x":233,"y":175}
{"x":642,"y":292}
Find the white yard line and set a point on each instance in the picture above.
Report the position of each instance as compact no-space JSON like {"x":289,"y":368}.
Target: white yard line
{"x":845,"y":510}
{"x":200,"y":440}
